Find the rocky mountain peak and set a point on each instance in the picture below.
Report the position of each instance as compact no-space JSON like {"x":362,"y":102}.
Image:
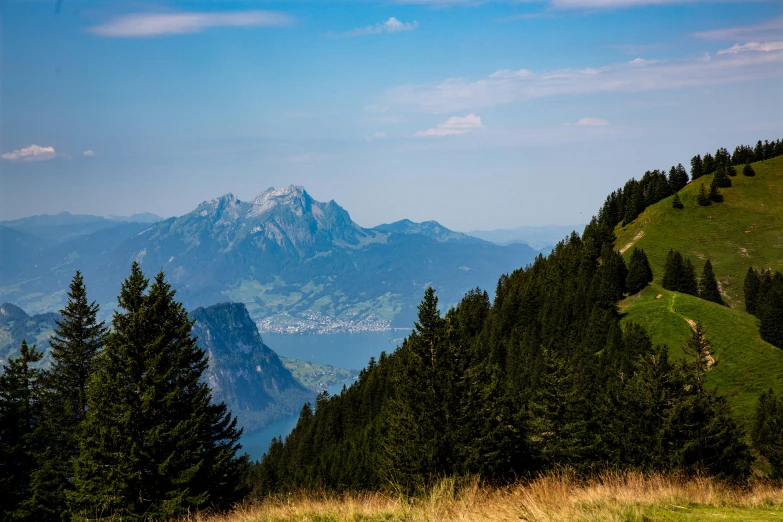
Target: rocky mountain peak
{"x":292,"y":197}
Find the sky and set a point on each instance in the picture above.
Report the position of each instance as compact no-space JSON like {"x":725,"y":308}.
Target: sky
{"x":477,"y":114}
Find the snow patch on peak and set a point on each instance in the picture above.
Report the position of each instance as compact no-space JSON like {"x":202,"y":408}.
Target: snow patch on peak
{"x":293,"y":196}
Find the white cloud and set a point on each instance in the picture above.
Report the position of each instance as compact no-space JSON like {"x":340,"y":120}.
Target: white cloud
{"x":158,"y":24}
{"x":392,"y":25}
{"x":31,"y":153}
{"x":592,"y":122}
{"x":770,"y":30}
{"x":753,"y":46}
{"x":454,"y":126}
{"x":506,"y":86}
{"x":89,"y":153}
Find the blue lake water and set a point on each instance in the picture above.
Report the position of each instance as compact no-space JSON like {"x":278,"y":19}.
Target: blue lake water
{"x":342,"y":350}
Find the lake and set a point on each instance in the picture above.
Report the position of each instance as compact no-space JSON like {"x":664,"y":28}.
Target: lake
{"x":342,"y":350}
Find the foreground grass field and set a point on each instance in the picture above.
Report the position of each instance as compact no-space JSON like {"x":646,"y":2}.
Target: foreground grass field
{"x":612,"y":497}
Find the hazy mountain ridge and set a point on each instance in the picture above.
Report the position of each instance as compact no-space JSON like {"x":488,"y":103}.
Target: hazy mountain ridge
{"x":16,"y":325}
{"x":285,"y":255}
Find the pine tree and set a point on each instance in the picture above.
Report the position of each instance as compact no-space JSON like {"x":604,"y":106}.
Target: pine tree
{"x":730,"y":170}
{"x":75,"y":343}
{"x":708,"y":164}
{"x":703,"y":199}
{"x":20,"y":414}
{"x":751,"y":290}
{"x":696,"y":167}
{"x":639,"y":272}
{"x":678,"y":178}
{"x":688,"y":284}
{"x":715,"y":194}
{"x":153,"y":444}
{"x":708,"y":286}
{"x":672,"y":270}
{"x":676,"y":203}
{"x":721,"y":180}
{"x":747,"y":170}
{"x":771,"y":312}
{"x":766,"y":430}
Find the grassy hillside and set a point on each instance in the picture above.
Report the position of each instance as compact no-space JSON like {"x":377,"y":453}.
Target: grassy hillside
{"x":745,"y":230}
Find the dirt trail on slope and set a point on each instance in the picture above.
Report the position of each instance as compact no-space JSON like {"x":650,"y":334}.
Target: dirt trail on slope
{"x":634,"y":240}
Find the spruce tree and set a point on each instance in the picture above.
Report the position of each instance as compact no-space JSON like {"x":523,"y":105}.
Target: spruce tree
{"x":715,"y":194}
{"x":678,"y":178}
{"x":751,"y":290}
{"x":672,"y":270}
{"x":688,"y":283}
{"x":766,"y":431}
{"x":771,"y":312}
{"x":696,"y":167}
{"x":730,"y":170}
{"x":676,"y":203}
{"x":75,"y":344}
{"x":747,"y":170}
{"x":721,"y":180}
{"x":639,"y":272}
{"x":153,"y":444}
{"x":708,"y":286}
{"x":703,"y":199}
{"x":708,"y":164}
{"x":20,"y":414}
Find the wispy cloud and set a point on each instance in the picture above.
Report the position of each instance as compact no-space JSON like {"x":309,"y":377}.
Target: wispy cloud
{"x":454,"y":126}
{"x":638,"y":75}
{"x":592,"y":122}
{"x":753,"y":46}
{"x":770,"y":30}
{"x":392,"y":25}
{"x":140,"y":25}
{"x":31,"y":153}
{"x":89,"y":153}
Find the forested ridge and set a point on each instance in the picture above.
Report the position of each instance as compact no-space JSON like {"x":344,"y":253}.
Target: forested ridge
{"x":543,"y":377}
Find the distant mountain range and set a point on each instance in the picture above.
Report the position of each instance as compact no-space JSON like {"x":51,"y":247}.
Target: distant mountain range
{"x":540,"y":238}
{"x":296,"y":263}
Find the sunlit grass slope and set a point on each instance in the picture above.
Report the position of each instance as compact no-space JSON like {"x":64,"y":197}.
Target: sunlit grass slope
{"x":745,"y":230}
{"x":617,"y":497}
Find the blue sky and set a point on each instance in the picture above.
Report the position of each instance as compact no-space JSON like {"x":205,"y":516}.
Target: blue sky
{"x":477,"y":114}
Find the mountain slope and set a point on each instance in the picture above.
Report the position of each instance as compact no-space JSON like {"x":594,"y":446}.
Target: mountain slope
{"x":745,"y":230}
{"x":243,"y":372}
{"x":294,"y":261}
{"x":16,"y":326}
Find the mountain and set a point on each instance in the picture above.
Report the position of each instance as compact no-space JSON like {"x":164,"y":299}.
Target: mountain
{"x":536,"y":237}
{"x":745,"y":230}
{"x":144,"y":217}
{"x":244,"y":372}
{"x":16,"y":326}
{"x":295,"y":262}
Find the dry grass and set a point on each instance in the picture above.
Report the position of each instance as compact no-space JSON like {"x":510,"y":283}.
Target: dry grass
{"x":557,"y":497}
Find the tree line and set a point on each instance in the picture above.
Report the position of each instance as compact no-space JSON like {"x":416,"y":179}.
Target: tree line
{"x":764,"y":299}
{"x":625,"y":204}
{"x":121,"y":424}
{"x":542,"y":377}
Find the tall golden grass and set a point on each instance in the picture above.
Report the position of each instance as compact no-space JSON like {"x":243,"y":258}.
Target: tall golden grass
{"x":555,"y":497}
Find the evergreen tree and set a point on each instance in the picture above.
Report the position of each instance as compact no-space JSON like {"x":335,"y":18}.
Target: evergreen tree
{"x":20,"y":414}
{"x":730,"y":170}
{"x":153,"y":444}
{"x":708,"y":286}
{"x":721,"y":180}
{"x":771,"y":311}
{"x":708,"y":164}
{"x":703,"y":199}
{"x":678,"y":178}
{"x":696,"y":167}
{"x":747,"y":170}
{"x":676,"y":203}
{"x":766,"y":431}
{"x":639,"y":272}
{"x":75,"y":343}
{"x":672,"y":270}
{"x":758,"y":152}
{"x":715,"y":194}
{"x":751,"y":290}
{"x":688,"y":284}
